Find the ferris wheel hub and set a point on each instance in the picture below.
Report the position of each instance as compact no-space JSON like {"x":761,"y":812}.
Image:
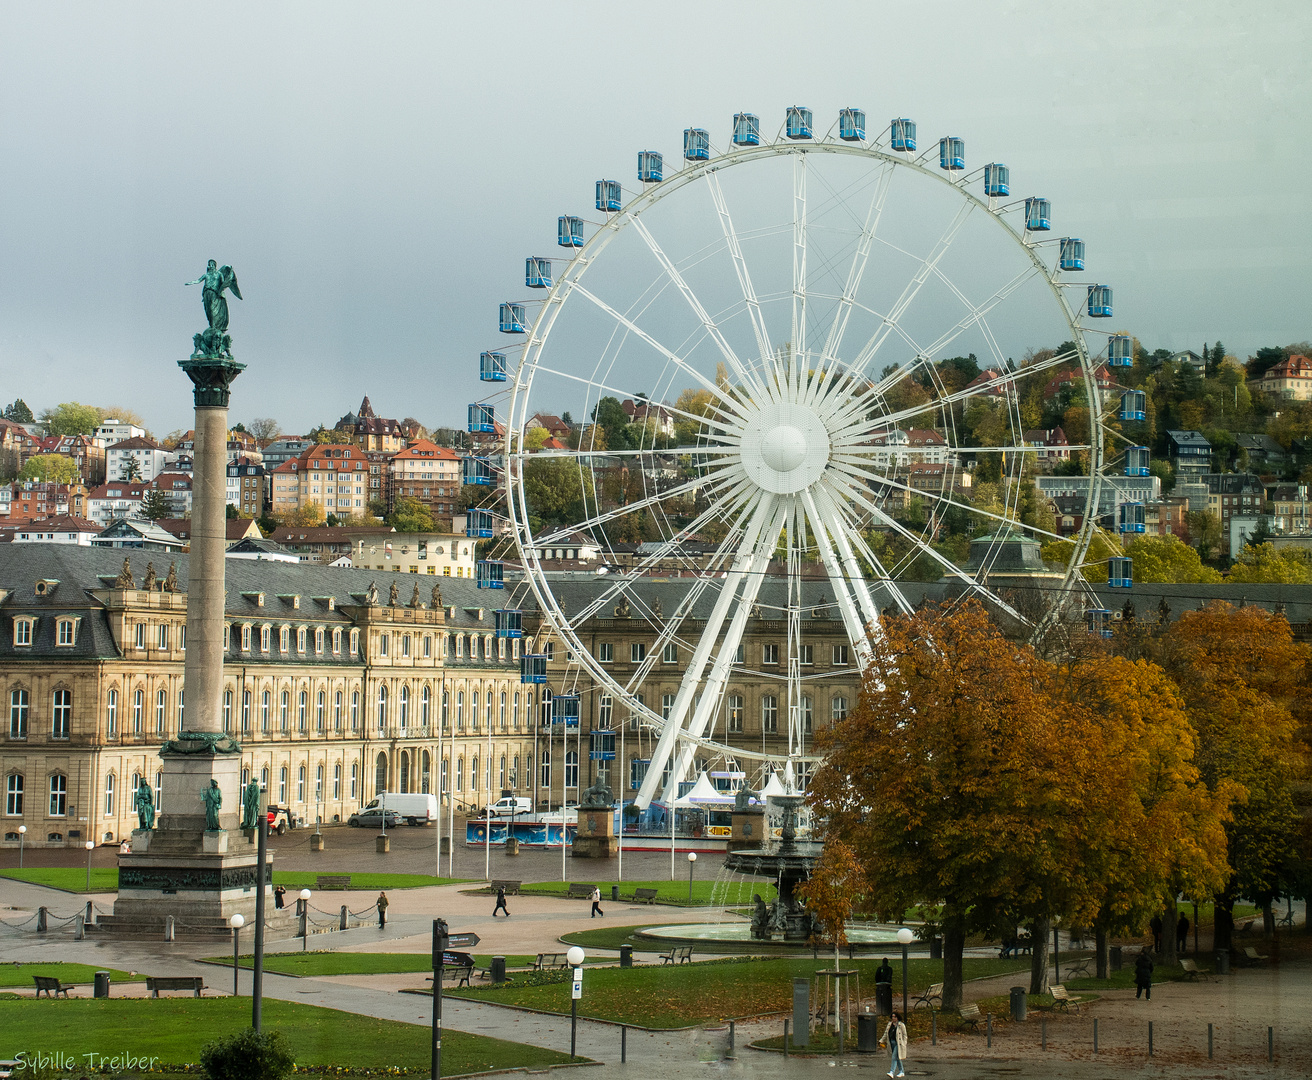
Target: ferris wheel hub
{"x":785,"y":447}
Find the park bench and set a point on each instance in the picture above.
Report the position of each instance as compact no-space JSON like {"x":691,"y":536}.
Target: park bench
{"x":643,"y":896}
{"x":1252,"y":956}
{"x":1245,"y":926}
{"x":155,"y":984}
{"x":333,"y":881}
{"x":933,"y":994}
{"x":1192,"y":970}
{"x":52,"y":987}
{"x":548,"y":960}
{"x":1079,"y":967}
{"x":460,"y":972}
{"x":680,"y":954}
{"x":1061,"y":998}
{"x":511,"y":887}
{"x":970,"y":1014}
{"x":580,"y":890}
{"x":1287,"y":919}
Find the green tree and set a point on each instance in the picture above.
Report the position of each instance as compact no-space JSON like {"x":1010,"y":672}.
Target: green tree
{"x":50,"y":468}
{"x":131,"y":469}
{"x":534,"y":437}
{"x":1261,"y":563}
{"x":155,"y":505}
{"x":411,"y":516}
{"x":18,"y":412}
{"x":71,"y":418}
{"x":558,"y":492}
{"x":1205,"y":530}
{"x":1167,"y":560}
{"x":614,"y":421}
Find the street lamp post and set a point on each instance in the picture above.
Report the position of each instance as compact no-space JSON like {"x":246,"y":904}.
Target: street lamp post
{"x":90,"y":846}
{"x":305,"y":918}
{"x":692,"y":861}
{"x":904,"y":937}
{"x":237,"y":921}
{"x":575,"y":960}
{"x":22,"y":837}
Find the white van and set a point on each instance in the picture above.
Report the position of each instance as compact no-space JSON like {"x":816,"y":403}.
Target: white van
{"x":410,"y":807}
{"x":512,"y":806}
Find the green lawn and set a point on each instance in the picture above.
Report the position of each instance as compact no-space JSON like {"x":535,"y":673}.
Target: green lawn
{"x":704,"y":893}
{"x":21,"y":974}
{"x":662,"y":996}
{"x":1124,"y":979}
{"x":105,"y":879}
{"x":312,"y":964}
{"x":174,"y":1030}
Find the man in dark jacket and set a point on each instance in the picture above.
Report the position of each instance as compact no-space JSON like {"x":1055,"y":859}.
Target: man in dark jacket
{"x":1143,"y":975}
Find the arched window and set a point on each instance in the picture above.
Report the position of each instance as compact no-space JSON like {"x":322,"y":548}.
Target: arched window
{"x":382,"y":707}
{"x":265,"y":705}
{"x":58,"y":795}
{"x":111,"y":712}
{"x":838,"y":709}
{"x":403,"y":773}
{"x":264,"y":779}
{"x":18,"y":710}
{"x":424,"y":704}
{"x":443,"y":781}
{"x":514,"y":772}
{"x":403,"y":710}
{"x":227,"y":710}
{"x":502,"y":773}
{"x":300,"y":784}
{"x":14,"y":794}
{"x":246,"y":711}
{"x":138,"y":709}
{"x":355,"y":710}
{"x":503,"y":710}
{"x":355,"y":781}
{"x":488,"y":714}
{"x":425,"y":768}
{"x":318,"y":783}
{"x":318,"y":640}
{"x":337,"y":642}
{"x":460,"y":774}
{"x":302,"y":708}
{"x":380,"y":774}
{"x":61,"y":715}
{"x":446,"y":710}
{"x":337,"y":782}
{"x":571,"y":768}
{"x":161,"y":708}
{"x":109,"y":794}
{"x":473,"y":773}
{"x":320,"y":709}
{"x":285,"y":711}
{"x":473,"y":710}
{"x":282,"y":785}
{"x":460,"y":711}
{"x":514,"y":711}
{"x":337,"y":712}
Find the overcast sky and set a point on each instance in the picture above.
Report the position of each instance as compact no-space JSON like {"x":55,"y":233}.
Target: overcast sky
{"x":376,"y":173}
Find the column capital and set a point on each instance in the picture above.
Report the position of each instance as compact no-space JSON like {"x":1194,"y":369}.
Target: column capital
{"x":212,"y":377}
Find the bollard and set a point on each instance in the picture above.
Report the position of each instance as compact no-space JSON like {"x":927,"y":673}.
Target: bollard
{"x":91,"y":915}
{"x":933,"y":1027}
{"x":79,"y":931}
{"x":785,"y":1038}
{"x":341,"y":919}
{"x":1209,"y":1042}
{"x":731,"y":1039}
{"x":1095,"y":1034}
{"x":988,"y":1026}
{"x":168,"y":927}
{"x":1270,"y":1044}
{"x":41,"y":914}
{"x":624,"y":1043}
{"x":1150,"y":1038}
{"x":1043,"y":1031}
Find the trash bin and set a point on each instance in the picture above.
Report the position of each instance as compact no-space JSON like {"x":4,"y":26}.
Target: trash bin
{"x":1223,"y":961}
{"x":867,"y":1031}
{"x":498,"y":969}
{"x":615,"y":893}
{"x":1018,"y":1002}
{"x":626,"y":956}
{"x":884,"y":999}
{"x":102,"y":984}
{"x":1115,"y":957}
{"x":936,"y":948}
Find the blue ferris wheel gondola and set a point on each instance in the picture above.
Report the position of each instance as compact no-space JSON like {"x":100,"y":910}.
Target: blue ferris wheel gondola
{"x":479,"y":524}
{"x":1133,"y":405}
{"x":852,"y":125}
{"x":1038,"y":214}
{"x":746,"y":129}
{"x":512,"y":319}
{"x":479,"y":471}
{"x":1099,"y":621}
{"x":537,"y":272}
{"x":609,"y":196}
{"x":1131,"y":518}
{"x":951,"y":153}
{"x":651,"y":167}
{"x":509,"y":622}
{"x":565,"y":710}
{"x":482,"y":419}
{"x":1100,"y":301}
{"x":997,"y":180}
{"x":1071,"y":253}
{"x":696,"y":144}
{"x":1120,"y":572}
{"x":569,"y":231}
{"x":903,"y":134}
{"x":798,"y":124}
{"x":492,"y":367}
{"x":1138,"y":460}
{"x":533,"y":668}
{"x":1120,"y":351}
{"x":491,"y":574}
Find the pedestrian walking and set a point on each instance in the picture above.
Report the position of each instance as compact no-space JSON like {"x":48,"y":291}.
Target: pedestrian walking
{"x":895,"y":1035}
{"x":1143,"y":975}
{"x":596,"y":904}
{"x":278,"y":893}
{"x":381,"y":904}
{"x":1182,"y":933}
{"x":1155,"y":925}
{"x":501,"y":902}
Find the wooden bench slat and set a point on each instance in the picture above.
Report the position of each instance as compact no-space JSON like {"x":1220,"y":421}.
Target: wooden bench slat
{"x":511,"y":887}
{"x":333,"y":881}
{"x":680,"y":954}
{"x":156,"y":983}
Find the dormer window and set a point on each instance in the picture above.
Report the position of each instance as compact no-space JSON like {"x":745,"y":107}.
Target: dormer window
{"x":300,"y":639}
{"x":284,"y":638}
{"x":24,"y":629}
{"x":355,"y":642}
{"x":246,"y":638}
{"x":66,"y":632}
{"x":266,"y":638}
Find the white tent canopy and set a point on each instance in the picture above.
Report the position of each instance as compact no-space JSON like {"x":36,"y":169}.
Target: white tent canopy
{"x":703,"y":793}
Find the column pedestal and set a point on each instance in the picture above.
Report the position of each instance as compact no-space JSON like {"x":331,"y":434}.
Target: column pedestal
{"x":596,"y":837}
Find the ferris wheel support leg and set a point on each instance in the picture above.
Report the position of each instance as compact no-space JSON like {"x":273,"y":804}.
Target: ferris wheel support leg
{"x":851,"y":620}
{"x":852,"y":569}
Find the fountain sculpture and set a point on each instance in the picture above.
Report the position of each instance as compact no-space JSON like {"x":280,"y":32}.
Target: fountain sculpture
{"x":789,"y":862}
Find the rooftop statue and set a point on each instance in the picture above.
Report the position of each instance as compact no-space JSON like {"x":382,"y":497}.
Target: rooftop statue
{"x":214,"y":342}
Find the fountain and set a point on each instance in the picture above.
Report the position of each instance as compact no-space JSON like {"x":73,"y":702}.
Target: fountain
{"x":789,"y":862}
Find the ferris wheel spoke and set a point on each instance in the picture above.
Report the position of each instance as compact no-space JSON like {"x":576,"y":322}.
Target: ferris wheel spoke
{"x":799,"y":255}
{"x":744,"y":372}
{"x":740,"y":265}
{"x":674,"y":358}
{"x":763,"y":512}
{"x":913,"y":287}
{"x":843,"y":529}
{"x":614,"y":515}
{"x":843,"y":588}
{"x":881,"y":571}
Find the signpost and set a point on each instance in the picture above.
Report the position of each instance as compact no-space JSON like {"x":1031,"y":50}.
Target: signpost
{"x":575,"y":960}
{"x":440,"y":940}
{"x":462,"y":941}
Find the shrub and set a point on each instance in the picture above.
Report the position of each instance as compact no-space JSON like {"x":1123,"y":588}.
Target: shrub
{"x":250,"y":1055}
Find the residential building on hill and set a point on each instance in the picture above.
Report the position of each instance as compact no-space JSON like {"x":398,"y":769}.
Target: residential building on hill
{"x":332,"y":476}
{"x":1290,"y":379}
{"x":149,"y":456}
{"x":247,"y":487}
{"x":34,"y":500}
{"x":113,"y":430}
{"x":1113,"y":490}
{"x":135,"y":533}
{"x":235,"y":529}
{"x":1231,"y":494}
{"x":369,"y":431}
{"x":240,"y":444}
{"x":428,"y":473}
{"x":65,"y":529}
{"x":1050,"y":446}
{"x":1191,"y":453}
{"x":85,"y":453}
{"x":284,"y":448}
{"x":116,"y":500}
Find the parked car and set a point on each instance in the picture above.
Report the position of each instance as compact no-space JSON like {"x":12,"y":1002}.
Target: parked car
{"x":412,"y":807}
{"x":512,"y":806}
{"x":374,"y":817}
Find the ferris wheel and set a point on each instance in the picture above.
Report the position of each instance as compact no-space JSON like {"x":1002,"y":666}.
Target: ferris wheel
{"x":792,"y":367}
